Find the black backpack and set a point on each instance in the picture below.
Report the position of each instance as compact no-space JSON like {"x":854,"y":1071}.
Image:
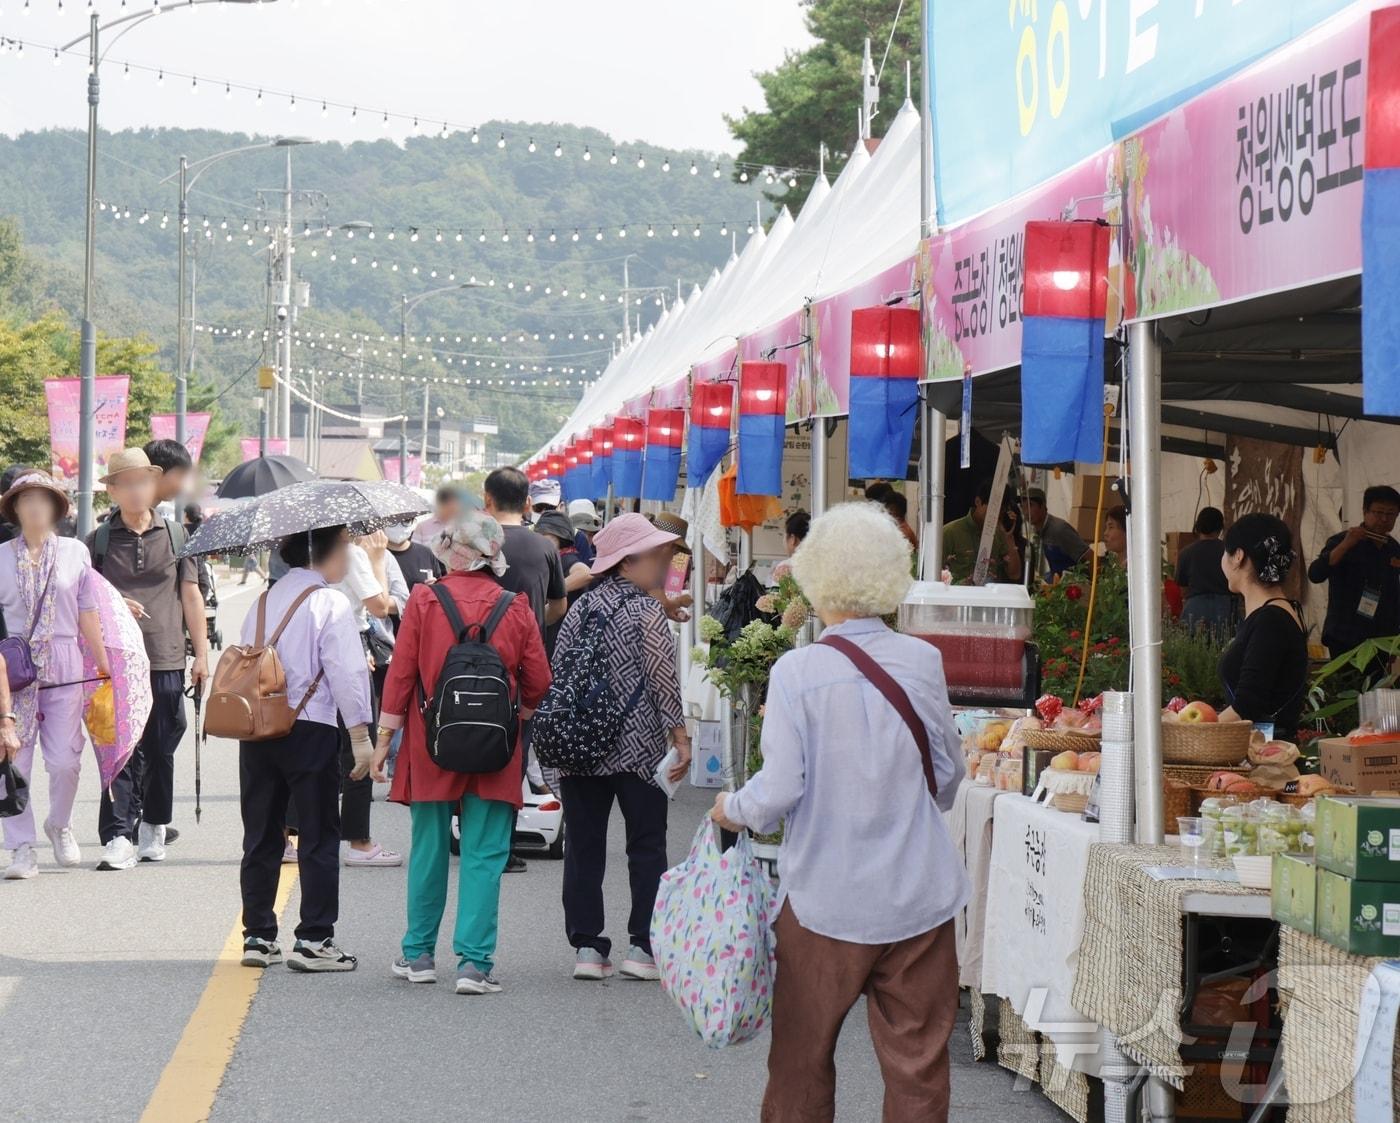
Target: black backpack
{"x":580,"y":720}
{"x":473,"y":717}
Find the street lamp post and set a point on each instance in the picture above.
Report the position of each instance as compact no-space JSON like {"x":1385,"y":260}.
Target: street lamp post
{"x":184,"y":349}
{"x":406,"y":305}
{"x":87,"y":364}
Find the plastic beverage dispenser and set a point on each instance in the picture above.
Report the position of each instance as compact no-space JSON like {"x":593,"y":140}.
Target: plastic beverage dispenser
{"x":983,"y":633}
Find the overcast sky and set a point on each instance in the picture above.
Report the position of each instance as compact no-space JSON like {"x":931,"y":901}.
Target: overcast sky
{"x":662,"y":71}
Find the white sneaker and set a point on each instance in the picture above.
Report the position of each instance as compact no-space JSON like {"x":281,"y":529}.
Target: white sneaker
{"x":118,"y":854}
{"x":24,"y":864}
{"x":150,"y":843}
{"x":65,"y":846}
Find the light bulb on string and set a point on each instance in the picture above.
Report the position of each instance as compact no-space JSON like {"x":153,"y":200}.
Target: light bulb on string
{"x":459,"y":236}
{"x":392,"y":233}
{"x":575,"y":237}
{"x":194,"y":86}
{"x":558,"y":149}
{"x":531,"y":146}
{"x":750,"y":227}
{"x":385,"y":123}
{"x":613,"y":158}
{"x":622,"y":231}
{"x":481,"y":237}
{"x":587,"y":155}
{"x":258,"y":103}
{"x":530,"y":235}
{"x":476,"y":137}
{"x":641,"y":161}
{"x":767,"y":177}
{"x":599,"y":236}
{"x":743,"y":176}
{"x":696,"y":232}
{"x":413,"y":234}
{"x":505,"y":235}
{"x":501,"y":143}
{"x":665,"y":163}
{"x":675,"y":231}
{"x":792,"y":181}
{"x":438,"y":236}
{"x":723,"y":229}
{"x":651,"y":231}
{"x":325,"y":110}
{"x":553,"y":237}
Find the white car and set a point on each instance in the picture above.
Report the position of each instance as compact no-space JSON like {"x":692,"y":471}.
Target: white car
{"x":539,"y":825}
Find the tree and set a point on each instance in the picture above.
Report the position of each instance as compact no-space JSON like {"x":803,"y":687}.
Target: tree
{"x":813,"y":96}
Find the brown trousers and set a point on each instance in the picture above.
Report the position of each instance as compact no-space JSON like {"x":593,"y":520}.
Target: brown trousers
{"x":911,"y":990}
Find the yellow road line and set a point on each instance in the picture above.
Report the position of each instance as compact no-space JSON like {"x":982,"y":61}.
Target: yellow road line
{"x":187,"y":1087}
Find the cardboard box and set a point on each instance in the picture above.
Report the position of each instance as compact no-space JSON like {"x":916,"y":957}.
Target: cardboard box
{"x":707,"y":756}
{"x":1360,"y":917}
{"x":1359,"y":836}
{"x":1362,"y":768}
{"x":1082,"y":519}
{"x":1295,"y":891}
{"x":1177,"y":540}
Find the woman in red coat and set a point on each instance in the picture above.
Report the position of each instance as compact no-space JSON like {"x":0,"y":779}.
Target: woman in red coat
{"x":470,"y":548}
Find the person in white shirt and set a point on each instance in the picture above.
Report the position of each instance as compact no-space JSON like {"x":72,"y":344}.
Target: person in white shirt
{"x":860,"y":761}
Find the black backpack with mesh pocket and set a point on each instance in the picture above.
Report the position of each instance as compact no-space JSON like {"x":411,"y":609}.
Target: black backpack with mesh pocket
{"x":473,"y":716}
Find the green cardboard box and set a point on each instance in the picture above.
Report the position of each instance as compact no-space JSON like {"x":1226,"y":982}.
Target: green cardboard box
{"x":1295,"y":891}
{"x":1360,"y":917}
{"x":1359,"y":836}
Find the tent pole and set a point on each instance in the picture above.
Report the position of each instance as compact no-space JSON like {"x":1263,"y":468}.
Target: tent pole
{"x":819,"y":447}
{"x":1145,"y":572}
{"x":932,"y":487}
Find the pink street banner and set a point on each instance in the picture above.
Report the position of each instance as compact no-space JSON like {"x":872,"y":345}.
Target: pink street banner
{"x":1255,"y":185}
{"x":196,"y":429}
{"x":674,"y":396}
{"x":830,"y":326}
{"x":973,"y":274}
{"x":276,"y":446}
{"x":110,"y":396}
{"x":718,"y":369}
{"x":780,"y":342}
{"x":413,"y":472}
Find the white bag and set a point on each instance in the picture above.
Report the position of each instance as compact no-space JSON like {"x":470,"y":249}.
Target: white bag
{"x":712,"y":935}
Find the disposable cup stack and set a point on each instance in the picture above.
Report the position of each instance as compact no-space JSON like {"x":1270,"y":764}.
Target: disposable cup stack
{"x":1116,"y":769}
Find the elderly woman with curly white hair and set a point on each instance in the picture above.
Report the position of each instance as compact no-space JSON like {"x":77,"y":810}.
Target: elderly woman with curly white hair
{"x":860,"y":759}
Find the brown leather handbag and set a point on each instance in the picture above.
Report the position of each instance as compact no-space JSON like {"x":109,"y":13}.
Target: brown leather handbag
{"x":248,"y":698}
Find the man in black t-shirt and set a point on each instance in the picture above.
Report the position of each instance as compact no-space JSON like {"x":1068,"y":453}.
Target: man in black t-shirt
{"x":1209,"y":603}
{"x":415,"y":560}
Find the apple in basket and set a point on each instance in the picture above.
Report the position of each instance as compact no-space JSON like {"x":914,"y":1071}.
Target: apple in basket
{"x":1089,"y":762}
{"x":1196,"y":712}
{"x":1067,"y":761}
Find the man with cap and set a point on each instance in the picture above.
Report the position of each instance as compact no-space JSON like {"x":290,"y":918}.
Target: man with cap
{"x":1061,"y":548}
{"x":138,"y":554}
{"x":545,"y":495}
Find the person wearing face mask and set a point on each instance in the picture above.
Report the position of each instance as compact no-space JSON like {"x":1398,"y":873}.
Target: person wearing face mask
{"x":415,"y":560}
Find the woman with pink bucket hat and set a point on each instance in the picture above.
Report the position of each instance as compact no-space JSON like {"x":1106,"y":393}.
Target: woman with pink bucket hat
{"x":632,"y":558}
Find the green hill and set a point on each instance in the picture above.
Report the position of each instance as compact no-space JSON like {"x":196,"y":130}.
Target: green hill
{"x":452,"y":191}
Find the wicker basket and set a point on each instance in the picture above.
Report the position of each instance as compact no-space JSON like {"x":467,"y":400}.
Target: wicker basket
{"x":1072,"y":802}
{"x":1195,"y":775}
{"x":1206,"y":742}
{"x":1059,"y":740}
{"x":1294,"y":799}
{"x":1176,"y":801}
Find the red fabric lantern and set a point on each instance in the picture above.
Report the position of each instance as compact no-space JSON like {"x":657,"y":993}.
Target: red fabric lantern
{"x":661,"y":465}
{"x":886,"y":343}
{"x":762,"y":389}
{"x":712,"y":405}
{"x":628,"y":434}
{"x":665,"y":427}
{"x":555,"y":464}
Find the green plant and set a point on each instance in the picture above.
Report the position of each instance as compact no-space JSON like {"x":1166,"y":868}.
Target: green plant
{"x":1332,"y":705}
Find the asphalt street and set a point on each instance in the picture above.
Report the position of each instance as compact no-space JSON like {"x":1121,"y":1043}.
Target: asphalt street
{"x":114,"y":1005}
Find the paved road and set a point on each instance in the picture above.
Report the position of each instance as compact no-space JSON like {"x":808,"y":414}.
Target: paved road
{"x":114,"y":1007}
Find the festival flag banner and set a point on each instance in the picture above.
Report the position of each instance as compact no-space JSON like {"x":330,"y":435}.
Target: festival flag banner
{"x":554,"y":465}
{"x":1380,"y":227}
{"x":248,"y":447}
{"x":711,"y":415}
{"x":572,"y":483}
{"x":629,"y":437}
{"x":1062,"y":348}
{"x":110,"y":396}
{"x":587,"y":472}
{"x":887,"y":361}
{"x":662,"y":462}
{"x":196,"y":429}
{"x":762,"y":417}
{"x":413,"y":471}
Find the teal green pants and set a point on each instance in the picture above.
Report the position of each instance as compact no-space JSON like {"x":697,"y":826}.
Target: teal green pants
{"x":486,"y":827}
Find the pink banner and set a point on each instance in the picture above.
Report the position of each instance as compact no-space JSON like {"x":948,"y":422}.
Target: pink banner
{"x":110,"y":395}
{"x":972,"y":274}
{"x":775,"y":343}
{"x":717,"y":369}
{"x":196,"y":429}
{"x":674,"y":396}
{"x":413,"y":472}
{"x":830,"y":321}
{"x":1254,"y":186}
{"x":276,"y":446}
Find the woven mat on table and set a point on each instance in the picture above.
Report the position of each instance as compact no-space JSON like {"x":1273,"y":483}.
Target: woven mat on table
{"x":1028,"y":1055}
{"x":977,"y":1023}
{"x":1129,"y":973}
{"x":1322,"y":988}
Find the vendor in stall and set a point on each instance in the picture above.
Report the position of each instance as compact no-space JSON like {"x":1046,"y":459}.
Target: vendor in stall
{"x":1265,"y":670}
{"x":1209,"y":605}
{"x":1361,"y":566}
{"x":1060,"y":545}
{"x":963,"y":537}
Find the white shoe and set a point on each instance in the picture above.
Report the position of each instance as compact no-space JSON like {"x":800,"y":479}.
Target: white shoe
{"x":65,"y":846}
{"x":118,"y":854}
{"x":150,"y":843}
{"x":23,"y":864}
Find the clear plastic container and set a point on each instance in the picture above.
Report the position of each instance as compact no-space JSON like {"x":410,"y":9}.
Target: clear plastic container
{"x":981,"y":631}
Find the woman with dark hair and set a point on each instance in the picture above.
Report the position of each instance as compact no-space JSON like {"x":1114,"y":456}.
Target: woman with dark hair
{"x":1265,"y":671}
{"x":314,"y":633}
{"x":1115,"y":533}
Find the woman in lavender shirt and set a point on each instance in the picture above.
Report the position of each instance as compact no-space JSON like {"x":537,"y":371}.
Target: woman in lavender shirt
{"x":46,"y":597}
{"x":869,"y":872}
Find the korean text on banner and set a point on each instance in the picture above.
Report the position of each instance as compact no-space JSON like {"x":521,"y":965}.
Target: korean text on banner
{"x":196,"y":430}
{"x":1023,"y":90}
{"x":110,"y":396}
{"x":413,"y":471}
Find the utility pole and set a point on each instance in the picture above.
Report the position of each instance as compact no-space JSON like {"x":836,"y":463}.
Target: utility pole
{"x":183,"y":310}
{"x":403,"y":413}
{"x":869,"y":93}
{"x":284,"y":311}
{"x":87,"y":385}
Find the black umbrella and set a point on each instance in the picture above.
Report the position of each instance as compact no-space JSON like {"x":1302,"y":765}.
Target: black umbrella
{"x":262,"y":475}
{"x":266,"y":520}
